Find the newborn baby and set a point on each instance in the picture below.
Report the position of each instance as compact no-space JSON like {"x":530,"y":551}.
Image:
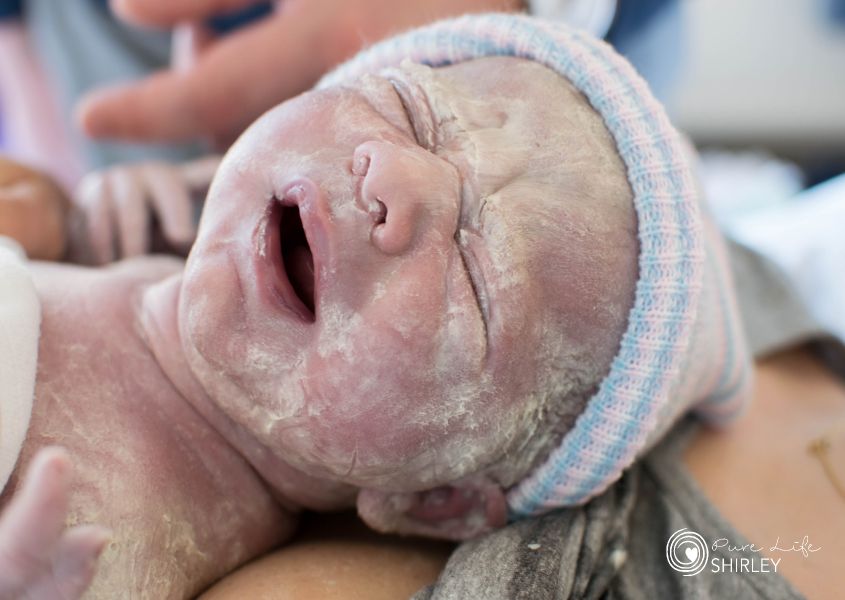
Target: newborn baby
{"x":414,"y":290}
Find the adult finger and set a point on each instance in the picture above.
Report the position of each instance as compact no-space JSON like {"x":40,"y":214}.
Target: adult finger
{"x":159,"y":107}
{"x":171,"y":200}
{"x":166,"y":13}
{"x":129,"y":194}
{"x":31,"y":524}
{"x":232,"y":82}
{"x":199,"y":173}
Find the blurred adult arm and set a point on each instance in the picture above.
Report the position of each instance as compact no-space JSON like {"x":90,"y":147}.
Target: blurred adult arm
{"x":220,"y":85}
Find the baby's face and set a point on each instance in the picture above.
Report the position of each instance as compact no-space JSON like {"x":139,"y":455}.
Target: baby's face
{"x":393,"y":278}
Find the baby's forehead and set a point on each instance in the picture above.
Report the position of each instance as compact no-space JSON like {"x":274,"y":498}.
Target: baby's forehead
{"x":501,"y":92}
{"x":534,"y":148}
{"x":509,"y":118}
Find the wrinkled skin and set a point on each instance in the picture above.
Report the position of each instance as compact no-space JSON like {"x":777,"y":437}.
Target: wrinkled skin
{"x":470,"y":265}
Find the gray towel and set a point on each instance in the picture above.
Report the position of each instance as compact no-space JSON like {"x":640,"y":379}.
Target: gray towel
{"x":613,"y":547}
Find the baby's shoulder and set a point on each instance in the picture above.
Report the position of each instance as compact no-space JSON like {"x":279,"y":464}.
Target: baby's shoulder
{"x":112,"y":283}
{"x":76,"y":299}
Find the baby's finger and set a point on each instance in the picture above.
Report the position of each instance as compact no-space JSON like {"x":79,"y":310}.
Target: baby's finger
{"x":130,"y":211}
{"x":74,"y":564}
{"x":31,"y":524}
{"x":171,"y":200}
{"x":93,"y":198}
{"x":199,"y":173}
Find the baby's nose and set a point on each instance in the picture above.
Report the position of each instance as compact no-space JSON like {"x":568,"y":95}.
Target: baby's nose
{"x":406,"y":191}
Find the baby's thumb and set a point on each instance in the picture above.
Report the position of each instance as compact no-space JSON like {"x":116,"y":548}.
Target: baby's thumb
{"x":75,"y":562}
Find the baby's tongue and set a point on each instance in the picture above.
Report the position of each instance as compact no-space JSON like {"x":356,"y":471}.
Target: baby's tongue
{"x":301,"y":273}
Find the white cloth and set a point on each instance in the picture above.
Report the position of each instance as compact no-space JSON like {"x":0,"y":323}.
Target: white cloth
{"x":20,"y":319}
{"x":806,"y":239}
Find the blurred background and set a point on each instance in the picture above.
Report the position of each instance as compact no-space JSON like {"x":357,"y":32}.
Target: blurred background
{"x":765,"y":73}
{"x":766,"y":77}
{"x":758,"y":85}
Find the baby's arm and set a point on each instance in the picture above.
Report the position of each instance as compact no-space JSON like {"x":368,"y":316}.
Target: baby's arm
{"x":39,"y":557}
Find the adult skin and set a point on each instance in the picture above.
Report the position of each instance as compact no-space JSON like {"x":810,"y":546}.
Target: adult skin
{"x":33,"y":210}
{"x":259,"y":66}
{"x":336,"y":557}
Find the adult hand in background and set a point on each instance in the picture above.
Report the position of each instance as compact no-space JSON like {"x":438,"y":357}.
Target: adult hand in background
{"x":220,"y":85}
{"x":115,"y":209}
{"x":33,"y":210}
{"x":40,"y":559}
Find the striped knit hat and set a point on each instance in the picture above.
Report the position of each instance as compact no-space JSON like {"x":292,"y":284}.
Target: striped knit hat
{"x":683,"y":348}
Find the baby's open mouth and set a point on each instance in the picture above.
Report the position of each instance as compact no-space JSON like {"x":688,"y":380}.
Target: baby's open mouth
{"x":290,"y":258}
{"x":297,"y":258}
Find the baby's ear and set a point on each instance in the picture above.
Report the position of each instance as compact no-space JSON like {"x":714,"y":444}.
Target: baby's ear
{"x":457,"y":512}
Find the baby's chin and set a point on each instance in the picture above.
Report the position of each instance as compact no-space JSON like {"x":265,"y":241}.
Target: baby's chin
{"x":383,"y":463}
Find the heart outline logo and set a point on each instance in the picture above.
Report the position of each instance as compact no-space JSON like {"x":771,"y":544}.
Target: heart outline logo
{"x":695,"y":553}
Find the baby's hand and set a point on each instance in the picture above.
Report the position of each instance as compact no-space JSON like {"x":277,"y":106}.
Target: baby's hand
{"x":33,"y":210}
{"x":39,"y":557}
{"x":118,"y":207}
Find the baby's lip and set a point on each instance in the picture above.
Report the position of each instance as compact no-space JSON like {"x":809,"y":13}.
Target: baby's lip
{"x":300,"y":200}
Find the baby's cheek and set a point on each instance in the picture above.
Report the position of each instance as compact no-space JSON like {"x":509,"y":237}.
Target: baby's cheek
{"x":463,"y":339}
{"x":368,"y":413}
{"x":230,"y":350}
{"x":380,"y":379}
